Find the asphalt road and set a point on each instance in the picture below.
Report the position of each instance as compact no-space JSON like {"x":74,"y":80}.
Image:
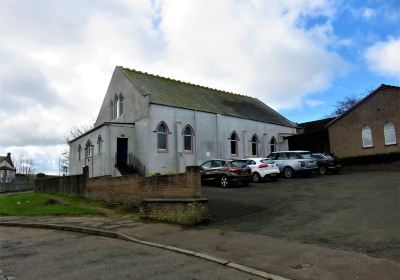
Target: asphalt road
{"x":27,"y":253}
{"x":352,"y":211}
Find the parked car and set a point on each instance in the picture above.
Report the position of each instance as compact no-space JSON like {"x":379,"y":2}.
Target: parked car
{"x":292,"y":162}
{"x":225,"y":172}
{"x":262,"y":168}
{"x":327,"y":163}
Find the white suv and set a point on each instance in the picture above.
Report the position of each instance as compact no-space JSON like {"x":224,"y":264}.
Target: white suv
{"x":263,"y":168}
{"x":291,"y":162}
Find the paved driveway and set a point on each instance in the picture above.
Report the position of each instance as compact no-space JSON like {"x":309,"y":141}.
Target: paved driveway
{"x":353,"y":211}
{"x":27,"y":253}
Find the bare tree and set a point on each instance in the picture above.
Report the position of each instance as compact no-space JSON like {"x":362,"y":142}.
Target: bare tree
{"x":24,"y":164}
{"x":77,"y":131}
{"x":345,"y":104}
{"x":74,"y":132}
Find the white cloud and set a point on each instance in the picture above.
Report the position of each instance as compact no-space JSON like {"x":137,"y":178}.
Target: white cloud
{"x":368,"y":13}
{"x":384,"y":57}
{"x":314,"y":102}
{"x":258,"y":48}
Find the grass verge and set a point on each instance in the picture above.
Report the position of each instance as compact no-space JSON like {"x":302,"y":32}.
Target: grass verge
{"x":32,"y":204}
{"x":43,"y":204}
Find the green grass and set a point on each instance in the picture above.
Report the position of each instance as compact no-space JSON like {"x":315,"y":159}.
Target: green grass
{"x":32,"y":204}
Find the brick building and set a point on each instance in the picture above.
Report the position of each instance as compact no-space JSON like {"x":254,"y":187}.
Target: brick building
{"x":371,"y":127}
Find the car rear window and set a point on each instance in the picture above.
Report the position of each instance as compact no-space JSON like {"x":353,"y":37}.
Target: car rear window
{"x":306,"y":155}
{"x":319,"y":156}
{"x":239,"y":163}
{"x":267,"y":161}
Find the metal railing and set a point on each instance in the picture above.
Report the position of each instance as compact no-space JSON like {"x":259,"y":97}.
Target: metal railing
{"x":137,"y":164}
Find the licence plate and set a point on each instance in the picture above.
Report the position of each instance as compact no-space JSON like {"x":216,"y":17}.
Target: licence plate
{"x":244,"y":173}
{"x":273,"y":174}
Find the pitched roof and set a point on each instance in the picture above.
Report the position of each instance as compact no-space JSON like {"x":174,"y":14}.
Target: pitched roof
{"x":372,"y":93}
{"x":315,"y":126}
{"x":2,"y":158}
{"x":174,"y":93}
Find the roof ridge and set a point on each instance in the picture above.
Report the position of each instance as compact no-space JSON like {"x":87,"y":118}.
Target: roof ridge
{"x":184,"y":82}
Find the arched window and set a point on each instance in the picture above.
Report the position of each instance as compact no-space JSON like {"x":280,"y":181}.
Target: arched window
{"x":116,"y":107}
{"x":390,"y":134}
{"x":272,"y":144}
{"x":254,"y":145}
{"x":88,"y":149}
{"x":99,"y":144}
{"x":162,"y":137}
{"x":111,"y":110}
{"x":79,"y":152}
{"x":234,"y":144}
{"x":366,"y":135}
{"x":188,"y":139}
{"x":121,"y":104}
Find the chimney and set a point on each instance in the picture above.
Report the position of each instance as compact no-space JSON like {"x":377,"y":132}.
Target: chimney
{"x":9,"y":155}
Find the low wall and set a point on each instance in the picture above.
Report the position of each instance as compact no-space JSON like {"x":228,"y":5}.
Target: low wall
{"x":179,"y":211}
{"x":133,"y":189}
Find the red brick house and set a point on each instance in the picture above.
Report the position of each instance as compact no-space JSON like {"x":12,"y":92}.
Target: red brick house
{"x":371,"y":127}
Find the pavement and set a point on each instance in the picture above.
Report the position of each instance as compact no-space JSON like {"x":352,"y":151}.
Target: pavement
{"x":31,"y":253}
{"x":285,"y":258}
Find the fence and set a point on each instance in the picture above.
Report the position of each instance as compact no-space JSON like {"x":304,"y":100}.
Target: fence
{"x":21,"y":183}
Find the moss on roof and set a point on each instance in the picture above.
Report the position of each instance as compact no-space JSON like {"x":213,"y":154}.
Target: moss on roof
{"x":169,"y":92}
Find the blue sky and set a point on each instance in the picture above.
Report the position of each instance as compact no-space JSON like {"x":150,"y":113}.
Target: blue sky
{"x":299,"y":57}
{"x":363,"y":23}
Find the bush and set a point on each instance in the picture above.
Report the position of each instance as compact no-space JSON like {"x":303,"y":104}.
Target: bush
{"x":372,"y":159}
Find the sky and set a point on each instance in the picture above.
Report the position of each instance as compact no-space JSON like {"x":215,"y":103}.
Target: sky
{"x":299,"y":57}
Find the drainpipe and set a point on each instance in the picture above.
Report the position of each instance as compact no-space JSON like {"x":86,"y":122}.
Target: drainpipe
{"x":195,"y":138}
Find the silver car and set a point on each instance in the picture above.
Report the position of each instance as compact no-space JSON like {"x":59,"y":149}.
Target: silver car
{"x":292,"y":162}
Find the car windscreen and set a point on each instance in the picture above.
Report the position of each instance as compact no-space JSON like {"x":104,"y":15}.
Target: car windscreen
{"x":238,"y":163}
{"x":306,"y":155}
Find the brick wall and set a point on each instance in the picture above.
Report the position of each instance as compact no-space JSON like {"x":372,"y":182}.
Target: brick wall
{"x":133,"y":189}
{"x":376,"y":111}
{"x":125,"y":189}
{"x":180,"y":211}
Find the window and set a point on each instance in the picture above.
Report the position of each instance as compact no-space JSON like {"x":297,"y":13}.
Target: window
{"x":111,"y":110}
{"x":162,"y":137}
{"x":272,"y":144}
{"x":206,"y":165}
{"x":366,"y":137}
{"x":217,"y":163}
{"x":390,"y":133}
{"x":121,"y":104}
{"x":116,"y":107}
{"x":88,"y":149}
{"x":254,"y":145}
{"x":188,"y":139}
{"x":234,"y":144}
{"x":99,"y":144}
{"x":79,"y":152}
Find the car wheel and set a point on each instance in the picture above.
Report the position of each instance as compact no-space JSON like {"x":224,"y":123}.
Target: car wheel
{"x":256,"y":177}
{"x":322,"y":170}
{"x":224,"y":182}
{"x":288,"y":172}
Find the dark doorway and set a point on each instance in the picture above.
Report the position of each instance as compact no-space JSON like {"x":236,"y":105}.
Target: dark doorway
{"x":122,"y":151}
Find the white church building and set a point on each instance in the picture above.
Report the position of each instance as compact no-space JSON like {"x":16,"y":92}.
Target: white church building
{"x":151,"y":124}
